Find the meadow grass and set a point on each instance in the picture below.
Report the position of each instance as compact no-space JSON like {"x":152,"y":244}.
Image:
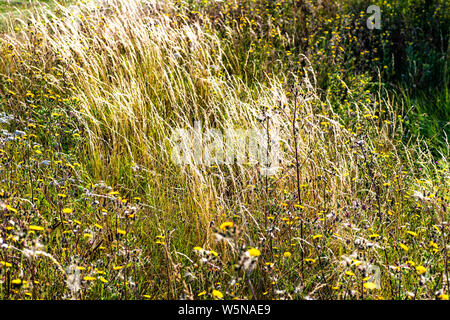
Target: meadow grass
{"x":93,"y":207}
{"x":11,"y":9}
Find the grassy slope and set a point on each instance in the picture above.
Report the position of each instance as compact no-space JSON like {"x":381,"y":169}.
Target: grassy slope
{"x":101,"y":109}
{"x":13,"y":5}
{"x":17,"y":8}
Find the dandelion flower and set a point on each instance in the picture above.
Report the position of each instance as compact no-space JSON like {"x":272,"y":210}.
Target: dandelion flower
{"x":217,"y":294}
{"x":254,"y":252}
{"x":214,"y":253}
{"x":370,"y":285}
{"x":6,"y":264}
{"x":11,"y":208}
{"x":201,"y":293}
{"x":421,"y":270}
{"x":120,"y":231}
{"x":36,"y":228}
{"x":226,"y":225}
{"x":433,"y":244}
{"x":88,"y":278}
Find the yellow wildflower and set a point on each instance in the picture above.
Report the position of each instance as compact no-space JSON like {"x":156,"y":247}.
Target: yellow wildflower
{"x":226,"y":225}
{"x":36,"y":228}
{"x":421,"y":270}
{"x":370,"y":285}
{"x":217,"y":294}
{"x":88,"y":278}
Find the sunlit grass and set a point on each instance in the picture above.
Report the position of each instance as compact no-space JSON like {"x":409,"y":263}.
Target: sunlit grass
{"x":94,"y":207}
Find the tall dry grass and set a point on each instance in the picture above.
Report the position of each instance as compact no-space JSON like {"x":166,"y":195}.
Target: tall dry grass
{"x":139,"y":69}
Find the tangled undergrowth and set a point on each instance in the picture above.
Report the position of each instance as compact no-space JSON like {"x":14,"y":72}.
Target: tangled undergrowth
{"x":93,"y":207}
